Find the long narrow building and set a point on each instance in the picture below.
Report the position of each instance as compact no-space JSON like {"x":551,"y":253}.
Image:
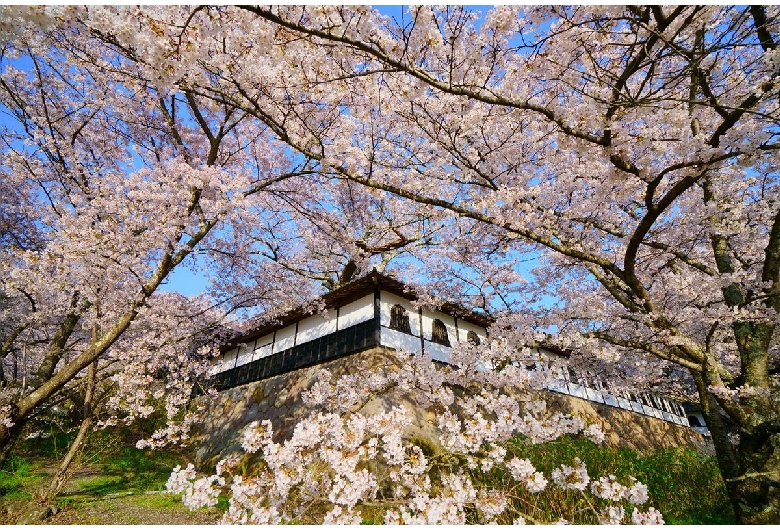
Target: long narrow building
{"x":375,"y":310}
{"x":378,"y":311}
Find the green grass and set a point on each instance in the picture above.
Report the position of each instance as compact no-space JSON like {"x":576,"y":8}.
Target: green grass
{"x":101,"y":486}
{"x":684,"y":485}
{"x":142,"y":470}
{"x":123,"y":469}
{"x":128,"y":470}
{"x":109,"y":472}
{"x":54,"y":444}
{"x":159,"y":502}
{"x":11,"y":487}
{"x":18,"y":478}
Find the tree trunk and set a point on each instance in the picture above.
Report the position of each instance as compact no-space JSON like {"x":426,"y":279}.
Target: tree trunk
{"x":757,"y":488}
{"x":63,"y":473}
{"x":751,"y":470}
{"x":9,"y":435}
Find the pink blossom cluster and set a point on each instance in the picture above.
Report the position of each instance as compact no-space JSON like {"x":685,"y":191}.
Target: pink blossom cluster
{"x":572,"y":477}
{"x":651,"y":516}
{"x":339,"y":459}
{"x":524,"y":472}
{"x":5,"y":417}
{"x":196,"y":492}
{"x":609,"y":489}
{"x":342,"y":463}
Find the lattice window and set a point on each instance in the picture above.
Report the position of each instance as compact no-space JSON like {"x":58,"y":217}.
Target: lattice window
{"x":399,"y":319}
{"x":439,"y":333}
{"x":473,"y":338}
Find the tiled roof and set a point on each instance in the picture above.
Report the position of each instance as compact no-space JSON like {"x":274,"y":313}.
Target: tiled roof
{"x":349,"y":293}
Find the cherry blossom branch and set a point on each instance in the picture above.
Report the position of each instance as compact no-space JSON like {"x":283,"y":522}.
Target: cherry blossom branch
{"x":458,"y":90}
{"x":684,"y":360}
{"x":762,"y":27}
{"x":5,"y":348}
{"x":99,"y":346}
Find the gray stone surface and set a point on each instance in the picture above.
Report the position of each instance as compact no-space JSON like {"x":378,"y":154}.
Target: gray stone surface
{"x":279,"y":400}
{"x":36,"y":515}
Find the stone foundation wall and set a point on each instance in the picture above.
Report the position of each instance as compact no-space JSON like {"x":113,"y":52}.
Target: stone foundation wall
{"x":278,"y":399}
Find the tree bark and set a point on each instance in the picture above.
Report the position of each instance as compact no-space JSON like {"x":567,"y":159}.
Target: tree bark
{"x":757,"y":488}
{"x":9,"y":436}
{"x":77,"y":446}
{"x":751,"y":469}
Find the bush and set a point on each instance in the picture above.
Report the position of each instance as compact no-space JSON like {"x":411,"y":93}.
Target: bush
{"x":684,"y":484}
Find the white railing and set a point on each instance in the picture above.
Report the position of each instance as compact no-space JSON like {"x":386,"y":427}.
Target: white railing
{"x":645,"y":403}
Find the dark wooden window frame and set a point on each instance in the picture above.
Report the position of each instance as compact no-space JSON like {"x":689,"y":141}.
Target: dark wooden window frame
{"x":439,"y":333}
{"x":399,"y":319}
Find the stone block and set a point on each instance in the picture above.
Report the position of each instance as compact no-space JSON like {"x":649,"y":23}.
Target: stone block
{"x":278,"y":399}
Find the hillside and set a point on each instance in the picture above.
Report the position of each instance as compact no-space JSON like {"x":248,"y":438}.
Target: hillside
{"x":126,"y":486}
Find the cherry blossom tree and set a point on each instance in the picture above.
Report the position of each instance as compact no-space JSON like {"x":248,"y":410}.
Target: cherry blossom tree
{"x":148,"y":372}
{"x":113,"y":182}
{"x":111,"y":179}
{"x":636,"y":146}
{"x":633,"y":148}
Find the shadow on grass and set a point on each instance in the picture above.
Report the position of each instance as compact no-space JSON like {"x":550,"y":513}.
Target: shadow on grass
{"x":99,"y":486}
{"x":128,"y":472}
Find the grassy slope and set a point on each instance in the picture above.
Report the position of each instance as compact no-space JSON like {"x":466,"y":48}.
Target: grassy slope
{"x":684,"y":485}
{"x":110,"y":485}
{"x":114,"y":483}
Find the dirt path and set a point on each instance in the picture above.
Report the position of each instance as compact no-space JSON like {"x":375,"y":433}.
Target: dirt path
{"x":136,"y":509}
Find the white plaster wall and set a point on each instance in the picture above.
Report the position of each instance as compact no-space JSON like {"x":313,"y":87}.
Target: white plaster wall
{"x":388,"y":300}
{"x":437,"y":351}
{"x":263,"y":347}
{"x":399,"y":340}
{"x":315,"y":327}
{"x":285,"y":338}
{"x":464,"y":327}
{"x":245,"y":352}
{"x":228,"y":360}
{"x":216,"y":367}
{"x":356,"y":312}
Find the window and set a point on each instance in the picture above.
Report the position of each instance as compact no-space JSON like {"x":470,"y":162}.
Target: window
{"x":473,"y":338}
{"x":439,"y":333}
{"x":399,"y":319}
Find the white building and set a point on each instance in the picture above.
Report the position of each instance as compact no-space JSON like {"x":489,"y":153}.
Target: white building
{"x":377,"y":310}
{"x":374,"y":310}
